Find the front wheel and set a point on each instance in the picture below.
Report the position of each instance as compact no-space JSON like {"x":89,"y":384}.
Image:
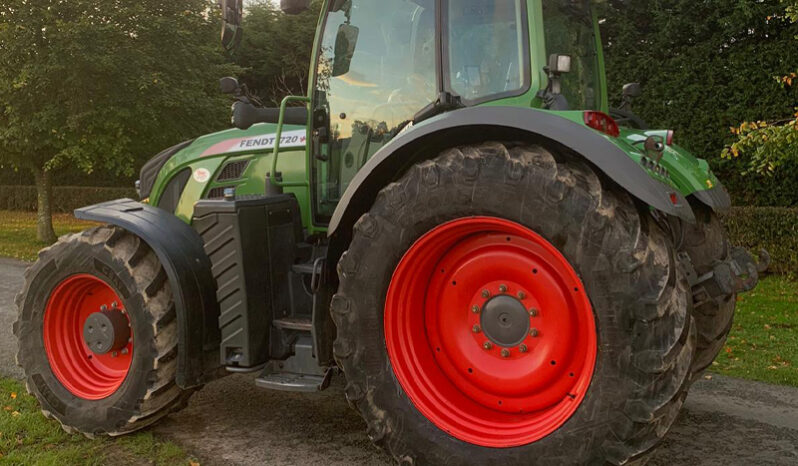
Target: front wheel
{"x":97,"y":334}
{"x":501,"y":305}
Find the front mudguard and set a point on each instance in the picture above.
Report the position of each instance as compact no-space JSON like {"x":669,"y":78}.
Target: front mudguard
{"x":180,"y":250}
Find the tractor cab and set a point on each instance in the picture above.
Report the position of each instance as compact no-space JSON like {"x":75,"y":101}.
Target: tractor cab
{"x":380,"y":68}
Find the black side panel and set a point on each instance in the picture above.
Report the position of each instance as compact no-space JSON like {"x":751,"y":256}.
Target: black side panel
{"x":188,"y":268}
{"x":150,"y":170}
{"x":479,"y":124}
{"x":251,"y":244}
{"x":171,"y":194}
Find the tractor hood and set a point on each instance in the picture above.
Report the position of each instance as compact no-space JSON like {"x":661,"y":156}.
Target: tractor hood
{"x":211,"y":165}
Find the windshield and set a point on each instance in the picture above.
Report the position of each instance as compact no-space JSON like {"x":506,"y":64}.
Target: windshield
{"x":569,"y":31}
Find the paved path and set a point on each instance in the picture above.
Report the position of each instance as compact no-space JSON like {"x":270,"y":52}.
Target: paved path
{"x":725,"y":422}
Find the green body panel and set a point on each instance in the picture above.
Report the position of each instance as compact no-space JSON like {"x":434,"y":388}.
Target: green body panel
{"x":210,"y":153}
{"x":686,"y":173}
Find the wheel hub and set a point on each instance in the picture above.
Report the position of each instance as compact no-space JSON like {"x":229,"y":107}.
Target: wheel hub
{"x":505,"y":321}
{"x":107,"y":331}
{"x":87,"y":337}
{"x":490,"y":332}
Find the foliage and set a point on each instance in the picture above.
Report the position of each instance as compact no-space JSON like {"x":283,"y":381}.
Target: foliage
{"x":772,"y":228}
{"x":27,"y":437}
{"x":276,"y":50}
{"x":792,"y":10}
{"x":762,"y":345}
{"x":102,"y":85}
{"x":65,"y":198}
{"x":705,"y":67}
{"x":770,"y":146}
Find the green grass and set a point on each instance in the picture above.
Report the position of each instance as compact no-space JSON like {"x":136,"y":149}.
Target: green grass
{"x":763,"y":344}
{"x":18,"y":233}
{"x":27,"y":437}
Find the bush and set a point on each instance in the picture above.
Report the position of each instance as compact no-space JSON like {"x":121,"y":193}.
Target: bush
{"x":705,"y":67}
{"x":772,"y":228}
{"x":65,"y":198}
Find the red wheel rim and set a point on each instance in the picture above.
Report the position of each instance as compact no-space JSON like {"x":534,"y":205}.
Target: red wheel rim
{"x":85,"y":374}
{"x":497,"y":395}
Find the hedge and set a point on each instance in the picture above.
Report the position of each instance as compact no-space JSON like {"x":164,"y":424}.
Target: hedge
{"x":65,"y":198}
{"x":772,"y":228}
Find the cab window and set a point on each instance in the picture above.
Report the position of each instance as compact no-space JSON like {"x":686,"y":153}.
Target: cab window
{"x":487,"y":48}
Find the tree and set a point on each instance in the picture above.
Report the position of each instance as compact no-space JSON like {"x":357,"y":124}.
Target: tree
{"x":770,"y":146}
{"x":100,"y":85}
{"x":705,"y":67}
{"x":276,"y":50}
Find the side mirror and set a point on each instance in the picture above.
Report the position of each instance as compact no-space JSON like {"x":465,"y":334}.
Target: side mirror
{"x":559,"y":64}
{"x":294,"y":7}
{"x":632,"y":90}
{"x":229,"y":85}
{"x":345,"y":44}
{"x":232,"y":15}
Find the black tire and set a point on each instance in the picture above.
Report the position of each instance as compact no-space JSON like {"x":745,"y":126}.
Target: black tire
{"x":148,"y":393}
{"x":707,"y":243}
{"x":640,"y":300}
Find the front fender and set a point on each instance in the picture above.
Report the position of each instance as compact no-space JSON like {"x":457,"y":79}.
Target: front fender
{"x":180,"y":250}
{"x":476,"y":124}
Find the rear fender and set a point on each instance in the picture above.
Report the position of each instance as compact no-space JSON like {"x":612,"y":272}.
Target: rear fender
{"x":180,"y":250}
{"x":479,"y":124}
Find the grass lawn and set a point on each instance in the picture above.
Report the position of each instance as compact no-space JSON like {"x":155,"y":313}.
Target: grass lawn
{"x":764,"y":340}
{"x":26,"y":437}
{"x":18,"y":233}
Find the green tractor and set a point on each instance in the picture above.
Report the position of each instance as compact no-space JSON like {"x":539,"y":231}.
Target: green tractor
{"x":504,"y":269}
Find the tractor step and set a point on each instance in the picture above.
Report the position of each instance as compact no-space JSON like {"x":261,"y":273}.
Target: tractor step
{"x":288,"y":382}
{"x":299,"y":373}
{"x":304,"y":325}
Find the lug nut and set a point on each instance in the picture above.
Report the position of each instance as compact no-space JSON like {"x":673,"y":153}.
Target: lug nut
{"x":521,"y":295}
{"x":114,"y":305}
{"x":487,"y":345}
{"x":503,"y":288}
{"x":534,"y":333}
{"x":475,"y":309}
{"x":523,"y":348}
{"x":505,"y":353}
{"x":124,"y":351}
{"x":103,"y":308}
{"x":476,"y":329}
{"x":485,"y":294}
{"x":533,"y":313}
{"x":114,"y":354}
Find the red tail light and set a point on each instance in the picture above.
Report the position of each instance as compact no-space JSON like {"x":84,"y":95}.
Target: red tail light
{"x":669,"y":138}
{"x":600,"y":121}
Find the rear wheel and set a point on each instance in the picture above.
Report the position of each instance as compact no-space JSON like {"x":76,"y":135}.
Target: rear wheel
{"x":97,"y":334}
{"x":707,"y":244}
{"x":500,"y":305}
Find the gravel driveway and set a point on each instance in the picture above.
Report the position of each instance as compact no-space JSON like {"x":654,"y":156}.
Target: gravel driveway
{"x":725,"y":422}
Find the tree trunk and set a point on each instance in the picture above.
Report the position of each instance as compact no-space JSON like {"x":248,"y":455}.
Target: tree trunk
{"x":44,"y":214}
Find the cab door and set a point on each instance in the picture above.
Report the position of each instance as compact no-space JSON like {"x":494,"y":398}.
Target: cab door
{"x":375,"y":69}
